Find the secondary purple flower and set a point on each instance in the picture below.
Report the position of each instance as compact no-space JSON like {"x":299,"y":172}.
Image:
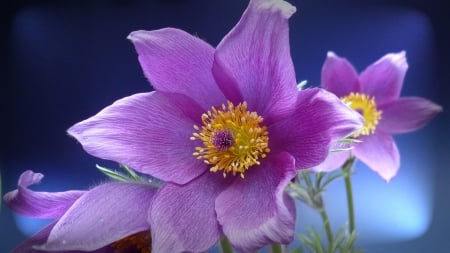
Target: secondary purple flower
{"x":103,"y":219}
{"x":375,"y":93}
{"x":225,"y":129}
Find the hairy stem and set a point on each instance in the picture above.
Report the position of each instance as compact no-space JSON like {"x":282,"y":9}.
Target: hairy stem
{"x":326,"y":224}
{"x":347,"y":168}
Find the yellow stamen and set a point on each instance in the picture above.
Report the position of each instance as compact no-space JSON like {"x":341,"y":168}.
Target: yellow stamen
{"x":367,"y":107}
{"x":140,"y":243}
{"x":233,"y":139}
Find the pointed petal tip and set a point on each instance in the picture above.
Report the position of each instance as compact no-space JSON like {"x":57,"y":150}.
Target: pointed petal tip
{"x":379,"y":153}
{"x":75,"y":131}
{"x":135,"y":35}
{"x":286,"y":9}
{"x":70,"y":131}
{"x":141,"y":35}
{"x":434,"y":109}
{"x":398,"y":59}
{"x":408,"y":114}
{"x":437,"y":108}
{"x":331,"y":54}
{"x":387,"y":177}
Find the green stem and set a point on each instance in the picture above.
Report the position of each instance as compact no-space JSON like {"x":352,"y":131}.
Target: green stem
{"x":326,"y":223}
{"x":347,"y":168}
{"x":277,"y":248}
{"x":225,"y":245}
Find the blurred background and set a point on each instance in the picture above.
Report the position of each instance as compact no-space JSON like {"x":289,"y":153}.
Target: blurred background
{"x":63,"y":61}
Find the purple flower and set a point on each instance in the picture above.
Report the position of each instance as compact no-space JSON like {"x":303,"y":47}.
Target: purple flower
{"x":375,"y":93}
{"x":225,"y":129}
{"x":99,"y":220}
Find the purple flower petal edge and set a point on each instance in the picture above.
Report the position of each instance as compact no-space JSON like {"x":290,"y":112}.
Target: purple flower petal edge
{"x":320,"y":119}
{"x":183,"y":218}
{"x":255,"y":211}
{"x":255,"y":56}
{"x":105,"y":214}
{"x":380,"y":153}
{"x":147,"y":132}
{"x":407,"y":114}
{"x":177,"y":62}
{"x":39,"y":204}
{"x":339,"y":76}
{"x":384,"y":78}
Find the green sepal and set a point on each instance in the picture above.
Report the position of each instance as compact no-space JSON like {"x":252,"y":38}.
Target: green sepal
{"x":115,"y":175}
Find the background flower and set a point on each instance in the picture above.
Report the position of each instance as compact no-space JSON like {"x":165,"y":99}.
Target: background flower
{"x":375,"y":93}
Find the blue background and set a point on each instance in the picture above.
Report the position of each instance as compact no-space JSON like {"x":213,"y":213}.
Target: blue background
{"x":64,"y":61}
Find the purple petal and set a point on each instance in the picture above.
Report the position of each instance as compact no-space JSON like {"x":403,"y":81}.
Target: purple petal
{"x":339,"y":76}
{"x":384,"y":78}
{"x":407,"y":114}
{"x":183,"y":218}
{"x":175,"y":61}
{"x":41,"y":237}
{"x":149,"y":132}
{"x":380,"y":153}
{"x":255,"y":211}
{"x":319,"y":120}
{"x":255,"y":57}
{"x":334,"y":161}
{"x":39,"y":204}
{"x":37,"y":239}
{"x":105,"y":214}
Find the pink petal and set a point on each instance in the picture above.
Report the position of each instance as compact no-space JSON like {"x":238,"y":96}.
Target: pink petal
{"x":148,"y":132}
{"x":407,"y":114}
{"x":39,"y":204}
{"x":319,"y":120}
{"x":175,"y":61}
{"x":339,"y":76}
{"x":41,"y":237}
{"x":183,"y":218}
{"x":255,"y":57}
{"x":255,"y":211}
{"x":380,"y":153}
{"x":103,"y":215}
{"x":384,"y":78}
{"x":38,"y":238}
{"x":334,"y":161}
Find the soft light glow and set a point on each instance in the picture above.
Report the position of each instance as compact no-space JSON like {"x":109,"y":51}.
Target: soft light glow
{"x":29,"y":226}
{"x":385,"y":212}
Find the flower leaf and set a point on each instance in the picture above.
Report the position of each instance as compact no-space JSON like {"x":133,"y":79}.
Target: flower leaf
{"x":130,"y":172}
{"x":113,"y":174}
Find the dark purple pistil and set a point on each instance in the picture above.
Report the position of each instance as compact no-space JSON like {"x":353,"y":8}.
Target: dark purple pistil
{"x":223,"y":139}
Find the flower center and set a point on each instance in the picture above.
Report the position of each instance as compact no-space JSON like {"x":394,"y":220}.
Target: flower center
{"x":233,"y":139}
{"x":367,"y":107}
{"x":140,"y":243}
